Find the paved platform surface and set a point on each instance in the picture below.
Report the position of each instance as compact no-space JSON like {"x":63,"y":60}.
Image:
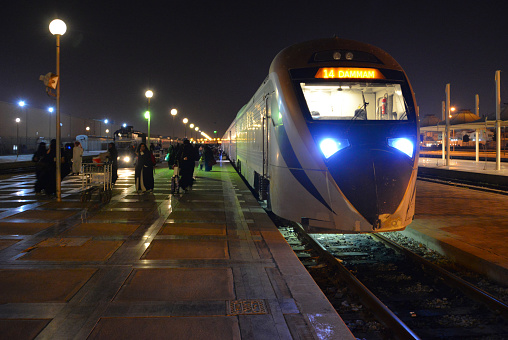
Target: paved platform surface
{"x":469,"y":226}
{"x":481,"y":167}
{"x":207,"y":264}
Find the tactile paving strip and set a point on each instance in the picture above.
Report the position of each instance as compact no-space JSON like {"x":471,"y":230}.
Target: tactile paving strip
{"x":246,"y":307}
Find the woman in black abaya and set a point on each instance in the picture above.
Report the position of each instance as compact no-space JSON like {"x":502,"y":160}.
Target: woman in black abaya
{"x":144,"y":169}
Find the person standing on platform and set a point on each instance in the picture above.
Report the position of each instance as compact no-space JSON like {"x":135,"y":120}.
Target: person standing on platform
{"x":38,"y":155}
{"x":77,"y":153}
{"x":209,"y":159}
{"x":48,"y":175}
{"x":113,"y":158}
{"x":170,"y":157}
{"x":186,"y":160}
{"x":143,"y":173}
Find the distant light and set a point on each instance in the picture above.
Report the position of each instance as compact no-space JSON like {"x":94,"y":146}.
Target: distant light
{"x":106,"y":121}
{"x":185,"y":120}
{"x":87,"y":128}
{"x":51,"y":109}
{"x":124,"y":125}
{"x":196,"y":128}
{"x":174,"y":112}
{"x":191,"y":126}
{"x":57,"y":27}
{"x":147,"y":114}
{"x":126,"y":159}
{"x":18,"y":120}
{"x":107,"y":130}
{"x":149,"y":94}
{"x":21,"y":103}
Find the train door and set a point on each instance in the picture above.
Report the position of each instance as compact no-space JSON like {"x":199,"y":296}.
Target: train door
{"x":266,"y":128}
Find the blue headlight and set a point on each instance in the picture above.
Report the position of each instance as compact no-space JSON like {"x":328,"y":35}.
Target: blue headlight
{"x":402,"y":144}
{"x":329,"y":146}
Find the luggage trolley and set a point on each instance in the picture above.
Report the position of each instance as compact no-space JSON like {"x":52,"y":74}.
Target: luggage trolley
{"x":96,"y":176}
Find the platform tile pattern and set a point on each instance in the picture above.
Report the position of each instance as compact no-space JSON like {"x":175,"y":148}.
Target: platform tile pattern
{"x":200,"y":265}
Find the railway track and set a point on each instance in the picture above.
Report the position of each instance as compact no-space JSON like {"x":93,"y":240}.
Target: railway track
{"x":412,"y":297}
{"x":496,"y":188}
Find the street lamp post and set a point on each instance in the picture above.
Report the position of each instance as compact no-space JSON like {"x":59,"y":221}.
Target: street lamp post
{"x":148,"y":95}
{"x":185,"y":121}
{"x":21,"y":104}
{"x":17,"y":136}
{"x":106,"y":121}
{"x":147,"y":117}
{"x":57,"y":27}
{"x":173,"y":113}
{"x":50,"y":111}
{"x":191,"y":128}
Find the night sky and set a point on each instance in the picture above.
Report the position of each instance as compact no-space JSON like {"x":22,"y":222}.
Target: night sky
{"x":207,"y":58}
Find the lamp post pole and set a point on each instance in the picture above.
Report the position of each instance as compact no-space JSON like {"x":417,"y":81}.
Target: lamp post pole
{"x":147,"y":117}
{"x":21,"y":104}
{"x":50,"y":110}
{"x":173,"y":113}
{"x":185,"y":121}
{"x":148,"y":95}
{"x":57,"y":27}
{"x":17,"y":136}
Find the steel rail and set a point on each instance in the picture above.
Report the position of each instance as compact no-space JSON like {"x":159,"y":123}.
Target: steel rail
{"x":467,"y":288}
{"x":383,"y":314}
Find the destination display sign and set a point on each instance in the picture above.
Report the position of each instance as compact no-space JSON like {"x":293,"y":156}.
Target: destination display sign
{"x":348,"y":73}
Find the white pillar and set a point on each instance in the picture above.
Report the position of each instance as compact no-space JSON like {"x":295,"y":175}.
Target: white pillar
{"x":477,"y":145}
{"x":498,"y":120}
{"x":443,"y":144}
{"x":447,"y":91}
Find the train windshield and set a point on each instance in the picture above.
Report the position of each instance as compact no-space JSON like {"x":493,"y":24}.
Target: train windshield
{"x":355,"y":101}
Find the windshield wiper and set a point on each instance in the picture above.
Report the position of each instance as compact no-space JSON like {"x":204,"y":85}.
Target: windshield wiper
{"x":362,"y":111}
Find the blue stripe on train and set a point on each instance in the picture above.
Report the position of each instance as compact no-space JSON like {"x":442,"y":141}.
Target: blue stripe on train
{"x":294,"y":165}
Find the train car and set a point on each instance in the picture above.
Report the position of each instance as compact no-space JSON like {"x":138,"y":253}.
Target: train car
{"x":330,"y":138}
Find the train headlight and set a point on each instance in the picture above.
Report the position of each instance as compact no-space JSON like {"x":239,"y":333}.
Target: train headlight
{"x":402,"y":144}
{"x":126,"y":159}
{"x":330,"y":146}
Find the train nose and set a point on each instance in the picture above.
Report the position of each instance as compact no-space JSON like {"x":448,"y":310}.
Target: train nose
{"x":374,"y":181}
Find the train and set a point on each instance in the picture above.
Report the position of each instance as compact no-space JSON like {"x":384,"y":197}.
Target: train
{"x":330,"y":138}
{"x":126,"y":141}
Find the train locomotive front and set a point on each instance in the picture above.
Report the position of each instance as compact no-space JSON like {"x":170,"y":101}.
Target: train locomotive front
{"x":331,"y":137}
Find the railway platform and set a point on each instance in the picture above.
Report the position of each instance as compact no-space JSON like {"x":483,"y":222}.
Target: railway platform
{"x":205,"y":264}
{"x":469,"y":226}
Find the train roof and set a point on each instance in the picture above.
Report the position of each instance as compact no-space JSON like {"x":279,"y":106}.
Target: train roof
{"x":316,"y":52}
